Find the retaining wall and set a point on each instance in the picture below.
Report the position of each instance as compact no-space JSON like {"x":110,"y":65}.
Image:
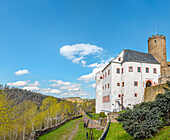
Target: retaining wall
{"x":151,"y":92}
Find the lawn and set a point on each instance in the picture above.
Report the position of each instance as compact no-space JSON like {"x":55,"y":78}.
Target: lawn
{"x":163,"y":134}
{"x":62,"y":133}
{"x":95,"y":116}
{"x":116,"y":132}
{"x":81,"y":134}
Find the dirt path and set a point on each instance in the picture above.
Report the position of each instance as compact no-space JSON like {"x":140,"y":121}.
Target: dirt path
{"x":76,"y":129}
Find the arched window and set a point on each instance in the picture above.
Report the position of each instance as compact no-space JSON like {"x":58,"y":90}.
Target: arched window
{"x":148,"y":84}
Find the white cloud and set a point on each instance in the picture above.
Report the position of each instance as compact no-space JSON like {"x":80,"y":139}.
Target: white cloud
{"x":59,"y":83}
{"x":74,"y":89}
{"x":77,"y":52}
{"x":23,"y":83}
{"x":97,"y":67}
{"x":36,"y":83}
{"x":31,"y":88}
{"x":90,"y":77}
{"x":22,"y":72}
{"x":18,"y":83}
{"x":83,"y":62}
{"x":93,"y":85}
{"x":67,"y":94}
{"x":83,"y":94}
{"x":49,"y":90}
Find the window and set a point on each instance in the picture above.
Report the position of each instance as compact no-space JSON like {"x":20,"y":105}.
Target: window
{"x":108,"y":85}
{"x":105,"y":86}
{"x":130,"y":69}
{"x":119,"y":59}
{"x":100,"y":77}
{"x":135,"y":95}
{"x":108,"y":72}
{"x":122,"y":70}
{"x":122,"y":84}
{"x":154,"y":70}
{"x":139,"y":69}
{"x":118,"y":84}
{"x":105,"y":74}
{"x":118,"y":70}
{"x":147,"y":70}
{"x":122,"y":94}
{"x":108,"y":98}
{"x":135,"y":83}
{"x":155,"y":41}
{"x":119,"y":95}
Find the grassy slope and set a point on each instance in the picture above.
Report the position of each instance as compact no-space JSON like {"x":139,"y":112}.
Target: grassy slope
{"x":81,"y":134}
{"x":61,"y":133}
{"x":163,"y":134}
{"x":116,"y":132}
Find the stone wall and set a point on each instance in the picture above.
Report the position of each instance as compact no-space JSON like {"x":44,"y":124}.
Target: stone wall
{"x":98,"y":124}
{"x":151,"y":92}
{"x":37,"y":133}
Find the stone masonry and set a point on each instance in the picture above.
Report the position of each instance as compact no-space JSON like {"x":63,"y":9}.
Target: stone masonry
{"x":157,"y":47}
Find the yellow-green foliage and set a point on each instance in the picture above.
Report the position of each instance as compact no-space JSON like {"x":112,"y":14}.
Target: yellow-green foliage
{"x":17,"y":121}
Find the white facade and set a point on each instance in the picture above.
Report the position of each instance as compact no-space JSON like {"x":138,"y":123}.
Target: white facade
{"x":123,"y":83}
{"x":98,"y":92}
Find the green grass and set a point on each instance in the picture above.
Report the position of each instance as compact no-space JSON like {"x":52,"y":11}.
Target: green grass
{"x":163,"y":134}
{"x":81,"y":134}
{"x":95,"y":116}
{"x":116,"y":132}
{"x":61,"y":133}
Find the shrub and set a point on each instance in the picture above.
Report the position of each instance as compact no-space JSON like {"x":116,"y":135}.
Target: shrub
{"x":145,"y":118}
{"x":102,"y":115}
{"x":140,"y":123}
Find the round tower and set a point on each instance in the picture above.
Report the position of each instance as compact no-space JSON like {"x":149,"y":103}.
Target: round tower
{"x":157,"y":47}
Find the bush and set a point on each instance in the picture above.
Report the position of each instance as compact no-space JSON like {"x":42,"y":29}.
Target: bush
{"x":102,"y":115}
{"x":139,"y":123}
{"x":145,"y":118}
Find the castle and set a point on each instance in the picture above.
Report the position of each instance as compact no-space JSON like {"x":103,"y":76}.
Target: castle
{"x":122,"y":82}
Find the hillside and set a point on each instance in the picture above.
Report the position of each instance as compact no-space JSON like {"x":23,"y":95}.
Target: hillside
{"x":19,"y":95}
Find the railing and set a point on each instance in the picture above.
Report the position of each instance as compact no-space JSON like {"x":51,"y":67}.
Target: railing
{"x":105,"y":132}
{"x":89,"y":114}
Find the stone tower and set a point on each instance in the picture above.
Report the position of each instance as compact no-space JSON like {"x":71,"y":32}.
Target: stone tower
{"x":157,"y":47}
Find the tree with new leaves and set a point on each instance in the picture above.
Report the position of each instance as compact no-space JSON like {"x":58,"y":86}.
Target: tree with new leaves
{"x":6,"y":115}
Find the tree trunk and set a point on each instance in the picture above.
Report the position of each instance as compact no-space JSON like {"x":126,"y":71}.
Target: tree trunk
{"x":32,"y":125}
{"x":24,"y":132}
{"x":16,"y":133}
{"x":40,"y":126}
{"x":51,"y":121}
{"x":4,"y":137}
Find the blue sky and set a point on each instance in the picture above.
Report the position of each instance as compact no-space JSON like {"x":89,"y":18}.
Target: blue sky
{"x":55,"y":46}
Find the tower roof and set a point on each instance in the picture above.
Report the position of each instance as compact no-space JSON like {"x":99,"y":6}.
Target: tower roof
{"x":135,"y":56}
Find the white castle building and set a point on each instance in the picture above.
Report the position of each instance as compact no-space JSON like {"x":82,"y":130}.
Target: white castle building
{"x":121,"y":83}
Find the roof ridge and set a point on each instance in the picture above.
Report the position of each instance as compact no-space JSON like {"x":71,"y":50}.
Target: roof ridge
{"x":135,"y":51}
